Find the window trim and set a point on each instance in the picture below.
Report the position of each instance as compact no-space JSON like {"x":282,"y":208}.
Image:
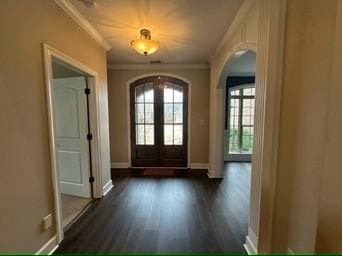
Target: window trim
{"x":236,"y":156}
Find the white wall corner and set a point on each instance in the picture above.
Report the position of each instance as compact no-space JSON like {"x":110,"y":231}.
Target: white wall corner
{"x":119,"y":165}
{"x":49,"y":247}
{"x":72,"y":11}
{"x":107,"y":187}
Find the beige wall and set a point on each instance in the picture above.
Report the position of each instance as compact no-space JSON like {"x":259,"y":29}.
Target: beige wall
{"x":117,"y":91}
{"x":329,"y":227}
{"x":307,"y":71}
{"x":26,"y":193}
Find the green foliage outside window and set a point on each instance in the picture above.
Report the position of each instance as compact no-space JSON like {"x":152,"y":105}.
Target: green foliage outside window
{"x":247,"y":141}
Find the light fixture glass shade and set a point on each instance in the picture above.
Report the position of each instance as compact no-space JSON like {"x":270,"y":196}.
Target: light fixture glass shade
{"x":145,"y":45}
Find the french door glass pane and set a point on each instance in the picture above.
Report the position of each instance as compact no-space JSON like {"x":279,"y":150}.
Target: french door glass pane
{"x":168,"y":134}
{"x":144,"y":114}
{"x":168,"y":93}
{"x":234,"y":125}
{"x":149,"y":113}
{"x":149,"y":93}
{"x":149,"y":134}
{"x":140,"y":134}
{"x":139,"y":113}
{"x":178,"y":135}
{"x":139,"y":93}
{"x":247,"y":139}
{"x":168,"y":113}
{"x":178,"y":93}
{"x":178,"y":113}
{"x":173,"y":114}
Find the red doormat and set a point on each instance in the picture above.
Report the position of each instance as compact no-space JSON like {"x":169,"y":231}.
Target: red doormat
{"x":159,"y":172}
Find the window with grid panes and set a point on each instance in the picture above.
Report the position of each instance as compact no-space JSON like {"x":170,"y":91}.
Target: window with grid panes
{"x":241,"y":120}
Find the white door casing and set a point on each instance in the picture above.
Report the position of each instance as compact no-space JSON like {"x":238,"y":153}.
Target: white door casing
{"x":71,"y":129}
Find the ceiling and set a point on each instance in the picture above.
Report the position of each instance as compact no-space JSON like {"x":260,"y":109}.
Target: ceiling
{"x":188,"y":30}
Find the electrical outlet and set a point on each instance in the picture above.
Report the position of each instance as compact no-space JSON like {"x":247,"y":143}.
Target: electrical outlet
{"x":47,"y":222}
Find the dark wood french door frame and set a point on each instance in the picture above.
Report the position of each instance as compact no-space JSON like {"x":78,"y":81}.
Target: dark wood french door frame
{"x":157,"y":154}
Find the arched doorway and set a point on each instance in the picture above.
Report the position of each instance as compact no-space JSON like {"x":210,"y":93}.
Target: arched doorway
{"x":240,"y":107}
{"x":159,"y":122}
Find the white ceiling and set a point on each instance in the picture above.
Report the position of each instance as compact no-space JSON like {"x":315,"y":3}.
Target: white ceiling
{"x":188,"y":30}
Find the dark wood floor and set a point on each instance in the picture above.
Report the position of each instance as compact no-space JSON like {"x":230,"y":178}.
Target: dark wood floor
{"x":168,"y":214}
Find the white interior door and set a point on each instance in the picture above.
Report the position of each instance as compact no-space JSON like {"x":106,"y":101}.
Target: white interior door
{"x":71,"y":129}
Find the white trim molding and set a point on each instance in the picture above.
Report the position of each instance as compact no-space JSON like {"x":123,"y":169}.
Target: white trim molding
{"x":74,"y":14}
{"x":251,"y":242}
{"x":107,"y":187}
{"x":49,"y":54}
{"x":290,"y":252}
{"x":157,"y":66}
{"x":213,"y":176}
{"x":238,"y":19}
{"x":49,"y":247}
{"x":119,"y":165}
{"x":268,"y":46}
{"x":250,"y":247}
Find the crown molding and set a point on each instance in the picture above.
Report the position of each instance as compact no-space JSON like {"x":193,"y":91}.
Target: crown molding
{"x":238,"y":19}
{"x":72,"y":11}
{"x":158,"y":66}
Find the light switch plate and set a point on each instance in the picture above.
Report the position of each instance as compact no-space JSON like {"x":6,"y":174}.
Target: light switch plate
{"x":47,"y":221}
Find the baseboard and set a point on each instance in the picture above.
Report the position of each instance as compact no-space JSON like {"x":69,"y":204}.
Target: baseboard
{"x":107,"y":187}
{"x":49,"y":247}
{"x":199,"y":166}
{"x":119,"y":165}
{"x":250,"y":247}
{"x":290,"y":252}
{"x":213,"y":176}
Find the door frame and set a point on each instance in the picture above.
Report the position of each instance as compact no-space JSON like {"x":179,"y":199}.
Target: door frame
{"x":50,"y":53}
{"x":144,"y":75}
{"x":234,"y":157}
{"x":269,"y":47}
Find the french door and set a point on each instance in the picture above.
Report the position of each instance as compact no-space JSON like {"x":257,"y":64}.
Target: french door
{"x":159,"y":122}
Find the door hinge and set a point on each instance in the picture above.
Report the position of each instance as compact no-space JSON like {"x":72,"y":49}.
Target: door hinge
{"x":87,"y":91}
{"x":89,"y":136}
{"x":91,"y":179}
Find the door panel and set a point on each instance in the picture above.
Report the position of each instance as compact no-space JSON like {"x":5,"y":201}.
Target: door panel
{"x":71,"y":128}
{"x":159,"y":122}
{"x":70,"y":165}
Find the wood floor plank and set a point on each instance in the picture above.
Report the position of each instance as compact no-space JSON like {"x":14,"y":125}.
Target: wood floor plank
{"x":187,"y":213}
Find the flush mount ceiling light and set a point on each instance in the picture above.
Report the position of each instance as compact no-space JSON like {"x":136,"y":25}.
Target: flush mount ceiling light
{"x":145,"y":45}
